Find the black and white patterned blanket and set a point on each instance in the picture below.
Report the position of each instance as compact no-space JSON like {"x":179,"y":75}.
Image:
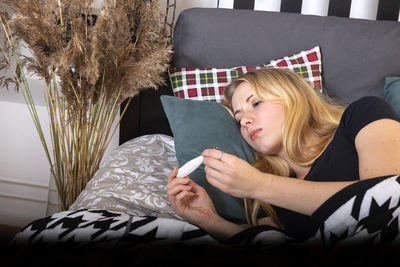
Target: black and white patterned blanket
{"x":362,"y":219}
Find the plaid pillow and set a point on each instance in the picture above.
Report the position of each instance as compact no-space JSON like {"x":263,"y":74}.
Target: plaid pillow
{"x":307,"y":64}
{"x":209,"y":83}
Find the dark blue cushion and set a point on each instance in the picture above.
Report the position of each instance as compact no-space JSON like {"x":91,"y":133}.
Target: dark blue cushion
{"x":392,"y":93}
{"x":198,"y":125}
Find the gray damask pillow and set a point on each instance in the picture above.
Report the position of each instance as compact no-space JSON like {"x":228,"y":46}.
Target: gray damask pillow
{"x":133,"y":179}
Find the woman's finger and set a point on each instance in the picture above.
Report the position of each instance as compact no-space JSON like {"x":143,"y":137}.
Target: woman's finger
{"x":215,"y":153}
{"x":214,"y":163}
{"x":184,"y":194}
{"x":176,"y":181}
{"x":217,"y":183}
{"x":172,"y":174}
{"x":211,"y":159}
{"x":213,"y":170}
{"x":172,"y":200}
{"x":212,"y":174}
{"x":173,"y":191}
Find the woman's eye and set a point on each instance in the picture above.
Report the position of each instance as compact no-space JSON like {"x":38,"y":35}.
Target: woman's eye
{"x":257,"y":103}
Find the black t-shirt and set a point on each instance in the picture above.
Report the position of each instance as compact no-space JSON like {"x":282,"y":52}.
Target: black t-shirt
{"x":339,"y":161}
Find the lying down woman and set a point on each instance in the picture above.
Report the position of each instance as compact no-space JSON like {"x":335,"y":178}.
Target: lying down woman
{"x":308,"y":148}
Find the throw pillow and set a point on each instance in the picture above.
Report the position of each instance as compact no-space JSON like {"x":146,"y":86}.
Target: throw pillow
{"x":209,"y":83}
{"x":392,"y":93}
{"x":198,"y":125}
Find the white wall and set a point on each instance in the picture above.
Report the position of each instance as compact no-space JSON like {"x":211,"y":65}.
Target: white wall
{"x":24,"y":168}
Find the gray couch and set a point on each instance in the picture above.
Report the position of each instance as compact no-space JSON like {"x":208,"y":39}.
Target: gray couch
{"x":356,"y":54}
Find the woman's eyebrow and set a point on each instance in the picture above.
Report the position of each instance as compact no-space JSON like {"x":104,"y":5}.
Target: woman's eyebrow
{"x":237,"y":111}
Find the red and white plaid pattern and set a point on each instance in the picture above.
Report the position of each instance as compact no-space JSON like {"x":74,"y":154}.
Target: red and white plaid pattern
{"x":307,"y":64}
{"x":209,"y":83}
{"x":201,"y":83}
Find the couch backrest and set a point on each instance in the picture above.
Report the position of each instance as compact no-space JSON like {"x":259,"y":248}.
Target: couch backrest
{"x":356,"y":54}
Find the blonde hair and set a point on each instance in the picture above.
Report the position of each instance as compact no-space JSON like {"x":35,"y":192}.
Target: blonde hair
{"x":310,"y":123}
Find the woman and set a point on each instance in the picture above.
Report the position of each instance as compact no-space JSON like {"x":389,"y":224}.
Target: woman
{"x":297,"y":133}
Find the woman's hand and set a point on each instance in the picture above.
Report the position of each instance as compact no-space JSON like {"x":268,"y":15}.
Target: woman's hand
{"x":190,"y":201}
{"x":231,"y":174}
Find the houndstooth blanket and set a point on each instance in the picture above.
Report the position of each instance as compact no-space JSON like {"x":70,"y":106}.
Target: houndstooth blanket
{"x":362,"y":218}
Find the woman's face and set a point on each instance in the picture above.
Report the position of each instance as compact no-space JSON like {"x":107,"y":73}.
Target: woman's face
{"x":261,"y":121}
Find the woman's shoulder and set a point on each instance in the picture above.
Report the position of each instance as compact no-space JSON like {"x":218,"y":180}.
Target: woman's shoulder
{"x":364,"y":111}
{"x":368,"y":101}
{"x":371,"y":105}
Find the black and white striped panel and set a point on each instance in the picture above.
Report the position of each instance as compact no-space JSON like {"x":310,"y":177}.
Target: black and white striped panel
{"x":362,"y":9}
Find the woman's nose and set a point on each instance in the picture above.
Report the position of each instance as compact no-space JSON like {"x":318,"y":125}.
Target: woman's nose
{"x":246,"y":120}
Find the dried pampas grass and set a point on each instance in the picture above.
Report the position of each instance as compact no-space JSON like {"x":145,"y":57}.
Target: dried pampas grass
{"x":90,"y":64}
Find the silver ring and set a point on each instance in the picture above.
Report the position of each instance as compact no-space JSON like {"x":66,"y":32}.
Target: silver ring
{"x":220,"y":155}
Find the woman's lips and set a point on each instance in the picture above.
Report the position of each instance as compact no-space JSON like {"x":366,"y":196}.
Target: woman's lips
{"x":254,"y":134}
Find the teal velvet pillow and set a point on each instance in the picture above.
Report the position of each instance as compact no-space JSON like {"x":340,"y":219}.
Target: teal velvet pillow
{"x":391,"y":93}
{"x":198,"y":125}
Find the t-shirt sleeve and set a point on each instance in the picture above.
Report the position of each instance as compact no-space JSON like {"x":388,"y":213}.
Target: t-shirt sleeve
{"x":364,"y":111}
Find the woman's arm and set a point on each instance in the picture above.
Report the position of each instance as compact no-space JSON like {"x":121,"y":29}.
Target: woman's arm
{"x":222,"y":229}
{"x":378,"y":148}
{"x":294,"y":194}
{"x":235,"y":176}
